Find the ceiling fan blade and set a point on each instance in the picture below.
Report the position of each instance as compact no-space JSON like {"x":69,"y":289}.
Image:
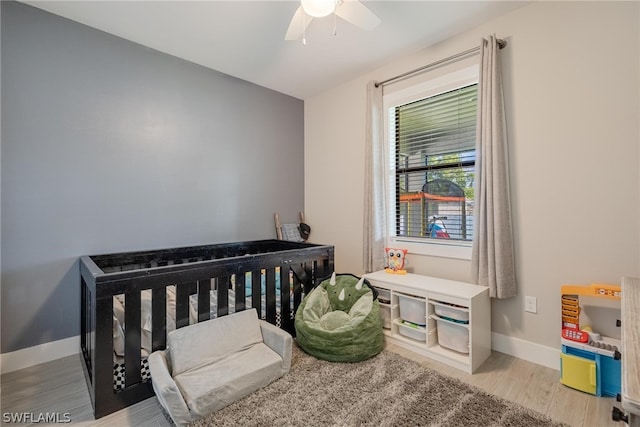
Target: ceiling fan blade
{"x":358,"y":14}
{"x":298,"y":24}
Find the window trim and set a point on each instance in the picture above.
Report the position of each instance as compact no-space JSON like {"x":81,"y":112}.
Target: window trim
{"x":437,"y":248}
{"x":451,"y":81}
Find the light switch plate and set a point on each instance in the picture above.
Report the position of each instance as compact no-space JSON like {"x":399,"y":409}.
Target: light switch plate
{"x":530,"y":304}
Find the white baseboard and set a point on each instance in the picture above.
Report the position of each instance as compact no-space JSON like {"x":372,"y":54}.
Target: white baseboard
{"x":35,"y":355}
{"x":526,"y":350}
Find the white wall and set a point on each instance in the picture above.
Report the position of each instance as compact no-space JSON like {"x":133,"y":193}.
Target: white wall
{"x":572,"y":88}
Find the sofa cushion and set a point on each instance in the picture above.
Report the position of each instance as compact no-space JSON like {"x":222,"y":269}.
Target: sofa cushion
{"x":212,"y":387}
{"x":207,"y":342}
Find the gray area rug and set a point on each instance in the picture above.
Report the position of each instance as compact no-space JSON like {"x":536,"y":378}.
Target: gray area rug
{"x":387,"y":390}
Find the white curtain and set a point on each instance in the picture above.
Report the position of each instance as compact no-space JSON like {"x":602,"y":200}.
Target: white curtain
{"x":375,"y":227}
{"x":492,"y":260}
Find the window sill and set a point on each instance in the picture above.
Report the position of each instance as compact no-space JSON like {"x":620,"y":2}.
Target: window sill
{"x":442,"y":249}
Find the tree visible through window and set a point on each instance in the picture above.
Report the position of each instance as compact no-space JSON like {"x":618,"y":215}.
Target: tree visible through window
{"x":434,"y":164}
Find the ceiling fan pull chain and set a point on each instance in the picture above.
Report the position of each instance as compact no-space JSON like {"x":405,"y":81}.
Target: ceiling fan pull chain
{"x":335,"y":22}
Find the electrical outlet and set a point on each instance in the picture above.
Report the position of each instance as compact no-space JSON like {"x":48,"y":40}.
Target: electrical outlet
{"x":530,"y":304}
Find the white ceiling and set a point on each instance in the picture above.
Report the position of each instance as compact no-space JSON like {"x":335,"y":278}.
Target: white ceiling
{"x":246,"y":38}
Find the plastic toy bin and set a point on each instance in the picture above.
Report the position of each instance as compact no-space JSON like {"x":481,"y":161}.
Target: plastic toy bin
{"x":385,"y":314}
{"x":413,"y":309}
{"x":451,"y":311}
{"x":384,"y":295}
{"x":417,"y":333}
{"x":452,"y":335}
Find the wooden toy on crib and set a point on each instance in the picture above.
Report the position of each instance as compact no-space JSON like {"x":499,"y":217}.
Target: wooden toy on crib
{"x":395,"y":260}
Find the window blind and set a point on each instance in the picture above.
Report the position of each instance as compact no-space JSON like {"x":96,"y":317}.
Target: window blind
{"x":437,"y":125}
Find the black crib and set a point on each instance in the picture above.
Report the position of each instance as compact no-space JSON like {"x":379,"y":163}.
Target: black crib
{"x":195,"y":272}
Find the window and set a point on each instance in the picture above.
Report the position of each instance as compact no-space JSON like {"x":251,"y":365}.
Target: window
{"x":431,"y":141}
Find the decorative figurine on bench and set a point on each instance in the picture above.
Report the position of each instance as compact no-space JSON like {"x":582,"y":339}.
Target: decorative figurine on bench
{"x":395,"y":260}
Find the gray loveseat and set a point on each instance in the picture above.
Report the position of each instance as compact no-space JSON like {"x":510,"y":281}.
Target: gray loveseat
{"x":211,"y":364}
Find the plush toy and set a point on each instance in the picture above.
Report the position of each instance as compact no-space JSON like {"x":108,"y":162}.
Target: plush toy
{"x":395,"y":260}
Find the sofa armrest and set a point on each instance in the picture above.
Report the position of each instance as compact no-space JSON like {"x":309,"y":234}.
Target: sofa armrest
{"x":166,"y":389}
{"x":279,"y":341}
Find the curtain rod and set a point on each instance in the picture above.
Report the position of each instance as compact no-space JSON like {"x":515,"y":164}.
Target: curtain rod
{"x":501,"y":45}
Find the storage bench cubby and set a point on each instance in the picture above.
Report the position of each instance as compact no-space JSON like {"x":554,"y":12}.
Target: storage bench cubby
{"x":446,"y":320}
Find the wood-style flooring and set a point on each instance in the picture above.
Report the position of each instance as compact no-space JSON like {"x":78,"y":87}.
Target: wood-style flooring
{"x":59,"y":387}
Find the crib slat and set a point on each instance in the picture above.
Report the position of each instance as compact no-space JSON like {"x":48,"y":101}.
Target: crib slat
{"x":241,"y":303}
{"x":204,"y":296}
{"x":158,"y":319}
{"x":131,"y":338}
{"x":285,"y":300}
{"x":223,"y":296}
{"x":271,"y":295}
{"x":182,"y":304}
{"x":327,"y":266}
{"x":256,"y":292}
{"x":316,"y":274}
{"x":297,"y":291}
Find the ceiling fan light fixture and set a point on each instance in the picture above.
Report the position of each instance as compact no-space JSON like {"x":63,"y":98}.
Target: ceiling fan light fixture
{"x":318,"y":8}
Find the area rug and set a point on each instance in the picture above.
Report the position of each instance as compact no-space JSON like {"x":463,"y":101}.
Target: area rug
{"x":387,"y":390}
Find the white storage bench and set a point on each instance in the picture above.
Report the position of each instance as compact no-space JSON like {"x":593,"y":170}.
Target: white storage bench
{"x":445,"y":320}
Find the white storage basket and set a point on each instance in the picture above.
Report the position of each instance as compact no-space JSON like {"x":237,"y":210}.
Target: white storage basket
{"x":384,"y":296}
{"x":452,"y":335}
{"x":385,"y":314}
{"x":413,"y":309}
{"x":418,"y":333}
{"x":451,"y":311}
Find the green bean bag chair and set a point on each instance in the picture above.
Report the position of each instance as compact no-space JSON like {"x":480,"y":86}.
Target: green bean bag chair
{"x":340,"y":320}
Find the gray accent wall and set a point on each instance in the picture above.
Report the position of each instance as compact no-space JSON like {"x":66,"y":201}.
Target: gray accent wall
{"x":109,"y":146}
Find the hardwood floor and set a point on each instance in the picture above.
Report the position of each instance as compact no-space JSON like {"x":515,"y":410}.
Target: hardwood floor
{"x":533,"y":386}
{"x":59,"y":387}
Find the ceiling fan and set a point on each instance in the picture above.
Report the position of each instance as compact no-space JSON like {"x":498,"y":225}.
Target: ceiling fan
{"x":350,"y":10}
